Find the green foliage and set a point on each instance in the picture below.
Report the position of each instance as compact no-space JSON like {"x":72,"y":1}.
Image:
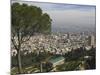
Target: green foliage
{"x":78,"y":55}
{"x":29,"y":59}
{"x":45,"y":23}
{"x":68,"y":66}
{"x":29,"y":19}
{"x":92,"y":61}
{"x":75,"y":54}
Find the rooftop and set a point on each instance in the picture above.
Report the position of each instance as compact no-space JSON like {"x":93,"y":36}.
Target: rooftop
{"x":55,"y":59}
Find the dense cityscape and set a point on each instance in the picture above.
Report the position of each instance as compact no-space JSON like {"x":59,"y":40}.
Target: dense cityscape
{"x":57,"y":43}
{"x":54,"y":50}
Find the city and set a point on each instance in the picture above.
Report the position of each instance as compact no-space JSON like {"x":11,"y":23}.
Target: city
{"x":51,"y":37}
{"x":52,"y":50}
{"x":58,"y":43}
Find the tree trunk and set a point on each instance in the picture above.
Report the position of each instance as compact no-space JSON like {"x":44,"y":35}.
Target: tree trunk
{"x":19,"y":63}
{"x":41,"y":67}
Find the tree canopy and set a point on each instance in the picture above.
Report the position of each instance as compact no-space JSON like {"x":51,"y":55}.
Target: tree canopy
{"x":29,"y":19}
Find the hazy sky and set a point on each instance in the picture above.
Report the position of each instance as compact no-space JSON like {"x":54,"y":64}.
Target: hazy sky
{"x":69,"y":17}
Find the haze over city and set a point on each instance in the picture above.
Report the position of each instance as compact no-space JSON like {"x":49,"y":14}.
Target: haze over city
{"x":68,"y":17}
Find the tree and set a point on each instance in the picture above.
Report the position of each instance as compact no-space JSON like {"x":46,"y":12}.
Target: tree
{"x":25,"y":21}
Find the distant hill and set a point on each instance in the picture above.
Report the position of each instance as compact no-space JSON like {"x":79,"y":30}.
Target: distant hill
{"x":73,"y":29}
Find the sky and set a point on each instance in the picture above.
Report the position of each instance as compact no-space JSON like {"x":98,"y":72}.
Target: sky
{"x":68,"y":17}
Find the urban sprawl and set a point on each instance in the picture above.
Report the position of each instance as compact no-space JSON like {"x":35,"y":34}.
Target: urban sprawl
{"x":56,"y":44}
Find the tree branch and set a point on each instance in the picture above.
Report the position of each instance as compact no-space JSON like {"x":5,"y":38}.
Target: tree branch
{"x":25,"y":40}
{"x":14,"y":43}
